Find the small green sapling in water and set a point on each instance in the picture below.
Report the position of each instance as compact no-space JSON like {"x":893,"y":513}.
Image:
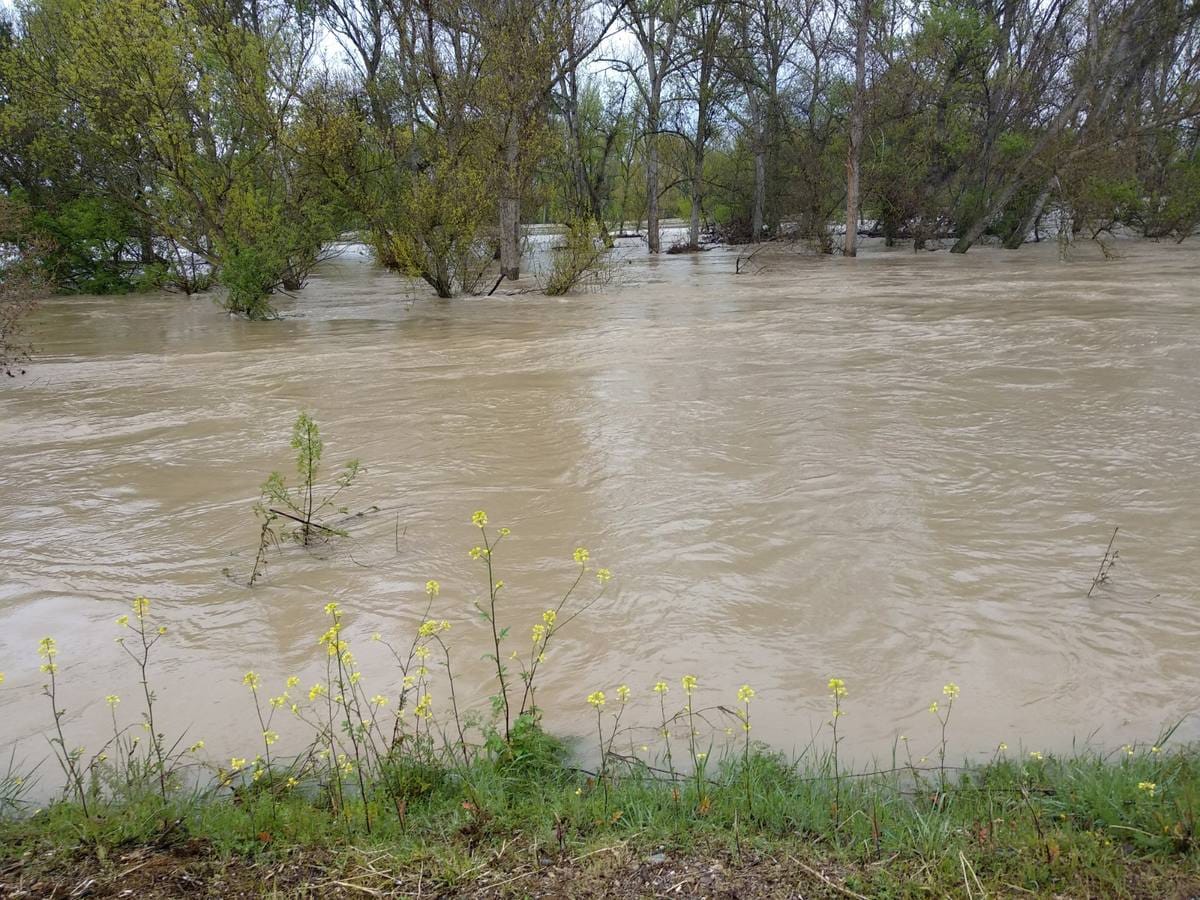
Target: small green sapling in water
{"x":294,"y":511}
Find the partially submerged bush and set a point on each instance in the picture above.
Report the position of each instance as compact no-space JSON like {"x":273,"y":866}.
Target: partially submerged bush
{"x":21,"y":285}
{"x":581,"y":258}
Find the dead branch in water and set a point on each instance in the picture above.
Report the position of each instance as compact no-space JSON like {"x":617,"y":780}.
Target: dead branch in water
{"x":1106,"y":564}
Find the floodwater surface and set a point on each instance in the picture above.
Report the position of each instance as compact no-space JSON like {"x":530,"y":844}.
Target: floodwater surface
{"x":900,"y":470}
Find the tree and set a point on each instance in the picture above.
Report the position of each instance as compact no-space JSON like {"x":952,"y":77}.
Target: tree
{"x":655,"y":25}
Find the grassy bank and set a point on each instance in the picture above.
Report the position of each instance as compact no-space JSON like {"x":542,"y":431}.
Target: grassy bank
{"x":410,"y":788}
{"x":522,"y":821}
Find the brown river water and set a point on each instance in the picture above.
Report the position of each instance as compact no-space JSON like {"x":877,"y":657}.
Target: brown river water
{"x":900,"y":470}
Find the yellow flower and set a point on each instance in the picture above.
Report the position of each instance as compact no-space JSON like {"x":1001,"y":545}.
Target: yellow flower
{"x":745,"y":693}
{"x":476,"y":552}
{"x":498,"y":585}
{"x":603,"y":574}
{"x":199,"y":745}
{"x":376,"y":636}
{"x":141,"y":606}
{"x":331,"y":609}
{"x":428,"y":628}
{"x":1,"y":678}
{"x":1035,"y":754}
{"x":317,"y":690}
{"x":933,"y":707}
{"x":424,"y":707}
{"x":292,"y":782}
{"x":596,"y":698}
{"x":250,"y":679}
{"x":1155,"y":750}
{"x":539,"y":632}
{"x":1002,"y":746}
{"x":47,"y":649}
{"x":421,"y":652}
{"x":236,"y":763}
{"x":293,"y":681}
{"x":162,"y":629}
{"x":689,"y":683}
{"x":479,"y":518}
{"x":661,"y":687}
{"x":122,"y":620}
{"x":950,"y":690}
{"x":550,"y":616}
{"x":270,"y":737}
{"x":582,"y":555}
{"x":623,"y":693}
{"x":1148,"y":786}
{"x":355,"y":677}
{"x":432,"y":588}
{"x":112,"y":699}
{"x":837,"y":687}
{"x":279,"y":701}
{"x":1128,"y":750}
{"x":379,"y":700}
{"x":505,"y":532}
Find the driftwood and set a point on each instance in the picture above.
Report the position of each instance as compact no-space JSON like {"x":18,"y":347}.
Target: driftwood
{"x":308,"y":524}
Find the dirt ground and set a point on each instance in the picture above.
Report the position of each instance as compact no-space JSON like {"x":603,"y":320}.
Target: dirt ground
{"x":192,"y":870}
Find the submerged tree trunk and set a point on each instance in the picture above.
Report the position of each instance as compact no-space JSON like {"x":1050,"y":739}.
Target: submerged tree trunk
{"x":510,"y":207}
{"x":856,"y":131}
{"x":1017,"y":238}
{"x":652,"y":237}
{"x":694,"y":224}
{"x":760,"y":195}
{"x":697,"y":186}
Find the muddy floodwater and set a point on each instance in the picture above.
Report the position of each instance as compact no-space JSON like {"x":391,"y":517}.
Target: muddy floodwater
{"x":900,"y":470}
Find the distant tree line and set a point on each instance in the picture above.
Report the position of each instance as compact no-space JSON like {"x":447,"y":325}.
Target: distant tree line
{"x":182,"y":142}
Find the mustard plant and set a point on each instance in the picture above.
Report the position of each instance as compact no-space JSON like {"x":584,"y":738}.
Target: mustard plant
{"x":661,"y":688}
{"x":745,"y":694}
{"x":500,"y":702}
{"x":699,"y":757}
{"x":837,"y":690}
{"x":553,"y":621}
{"x":950,"y":691}
{"x":147,"y":637}
{"x":68,"y":757}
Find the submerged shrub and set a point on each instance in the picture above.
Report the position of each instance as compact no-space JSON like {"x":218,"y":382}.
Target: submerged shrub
{"x":581,"y":258}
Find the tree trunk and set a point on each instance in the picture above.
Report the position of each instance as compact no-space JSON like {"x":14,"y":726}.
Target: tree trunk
{"x":694,"y":224}
{"x":697,"y":194}
{"x":760,"y":195}
{"x":510,"y":206}
{"x":856,"y":131}
{"x":652,"y":237}
{"x":1017,"y":238}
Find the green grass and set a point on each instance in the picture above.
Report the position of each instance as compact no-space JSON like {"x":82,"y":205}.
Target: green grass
{"x":1079,"y":825}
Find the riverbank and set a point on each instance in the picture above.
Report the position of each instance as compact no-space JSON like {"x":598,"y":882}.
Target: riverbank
{"x":520,"y":821}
